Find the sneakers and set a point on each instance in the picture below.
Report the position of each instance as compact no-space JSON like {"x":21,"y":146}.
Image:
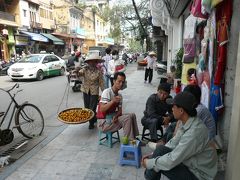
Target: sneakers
{"x":152,"y":145}
{"x":145,"y":82}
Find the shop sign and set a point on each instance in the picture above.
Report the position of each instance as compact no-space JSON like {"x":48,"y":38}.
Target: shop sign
{"x":21,"y":40}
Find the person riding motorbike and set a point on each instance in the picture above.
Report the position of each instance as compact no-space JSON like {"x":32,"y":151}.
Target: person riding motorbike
{"x":70,"y":62}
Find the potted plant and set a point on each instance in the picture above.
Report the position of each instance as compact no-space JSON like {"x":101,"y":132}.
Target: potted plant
{"x":178,"y":62}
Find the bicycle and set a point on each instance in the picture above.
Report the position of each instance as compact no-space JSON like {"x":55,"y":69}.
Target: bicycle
{"x":29,"y":120}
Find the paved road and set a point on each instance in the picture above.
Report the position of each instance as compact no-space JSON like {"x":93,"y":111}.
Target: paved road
{"x":50,"y":158}
{"x":51,"y":95}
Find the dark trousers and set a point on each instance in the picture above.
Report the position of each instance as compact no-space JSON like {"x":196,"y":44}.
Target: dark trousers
{"x":169,"y":132}
{"x":179,"y":172}
{"x":153,"y":124}
{"x":90,"y":102}
{"x":148,"y":73}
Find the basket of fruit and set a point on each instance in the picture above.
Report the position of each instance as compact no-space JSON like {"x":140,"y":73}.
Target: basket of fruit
{"x":142,"y":63}
{"x":75,"y":115}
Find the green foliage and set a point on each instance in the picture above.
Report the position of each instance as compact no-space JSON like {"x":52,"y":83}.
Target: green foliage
{"x":134,"y":45}
{"x":178,"y":62}
{"x":81,"y":5}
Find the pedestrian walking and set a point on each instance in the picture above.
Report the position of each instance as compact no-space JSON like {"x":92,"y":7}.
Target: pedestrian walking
{"x":106,"y":74}
{"x":151,"y":58}
{"x":92,"y":81}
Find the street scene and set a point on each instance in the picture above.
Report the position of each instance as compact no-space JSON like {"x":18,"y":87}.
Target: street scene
{"x":119,"y":89}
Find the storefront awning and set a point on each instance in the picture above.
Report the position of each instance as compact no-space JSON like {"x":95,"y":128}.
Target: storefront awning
{"x":55,"y":40}
{"x":35,"y":37}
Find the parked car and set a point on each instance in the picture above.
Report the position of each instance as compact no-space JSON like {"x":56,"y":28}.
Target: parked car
{"x":37,"y":66}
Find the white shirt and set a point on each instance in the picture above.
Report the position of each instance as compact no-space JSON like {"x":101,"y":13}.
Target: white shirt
{"x":107,"y":96}
{"x":106,"y":59}
{"x":112,"y":66}
{"x":150,"y":62}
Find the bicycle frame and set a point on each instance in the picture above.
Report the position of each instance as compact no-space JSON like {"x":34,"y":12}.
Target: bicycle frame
{"x":15,"y":107}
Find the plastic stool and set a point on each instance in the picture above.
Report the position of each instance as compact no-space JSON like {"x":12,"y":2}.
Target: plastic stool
{"x":146,"y":135}
{"x":108,"y":139}
{"x":128,"y":150}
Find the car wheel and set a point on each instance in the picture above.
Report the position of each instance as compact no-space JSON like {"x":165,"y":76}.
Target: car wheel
{"x":62,"y":71}
{"x":40,"y":75}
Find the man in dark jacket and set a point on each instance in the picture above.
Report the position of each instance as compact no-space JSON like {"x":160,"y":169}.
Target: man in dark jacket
{"x":157,"y":111}
{"x":71,"y":59}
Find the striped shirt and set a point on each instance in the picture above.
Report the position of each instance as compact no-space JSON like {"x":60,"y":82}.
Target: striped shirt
{"x":204,"y":114}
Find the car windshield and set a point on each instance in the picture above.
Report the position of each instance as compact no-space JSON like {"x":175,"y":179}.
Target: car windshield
{"x":31,"y":59}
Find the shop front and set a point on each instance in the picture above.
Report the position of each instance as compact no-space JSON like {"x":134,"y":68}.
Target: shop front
{"x":7,"y":43}
{"x":67,"y":39}
{"x":21,"y":43}
{"x":37,"y":42}
{"x":56,"y":45}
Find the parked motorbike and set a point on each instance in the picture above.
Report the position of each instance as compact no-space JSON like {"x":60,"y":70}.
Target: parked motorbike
{"x":4,"y":66}
{"x":73,"y":79}
{"x":161,"y":68}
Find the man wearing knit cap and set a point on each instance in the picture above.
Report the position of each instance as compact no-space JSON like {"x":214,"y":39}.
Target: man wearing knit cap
{"x":189,"y":154}
{"x":157,"y":111}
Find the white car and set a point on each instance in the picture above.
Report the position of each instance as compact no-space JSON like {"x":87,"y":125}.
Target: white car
{"x":37,"y":66}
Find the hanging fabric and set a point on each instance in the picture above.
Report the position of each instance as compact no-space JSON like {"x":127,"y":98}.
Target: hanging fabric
{"x":196,"y":9}
{"x":189,"y":41}
{"x":215,"y":2}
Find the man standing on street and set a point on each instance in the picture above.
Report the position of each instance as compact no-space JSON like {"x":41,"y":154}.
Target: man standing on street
{"x":106,"y":59}
{"x":151,"y":58}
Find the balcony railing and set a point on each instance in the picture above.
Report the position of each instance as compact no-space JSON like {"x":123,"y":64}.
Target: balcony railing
{"x":34,"y":24}
{"x":7,"y":16}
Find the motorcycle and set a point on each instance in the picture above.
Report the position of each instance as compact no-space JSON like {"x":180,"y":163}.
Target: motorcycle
{"x":73,"y":79}
{"x":161,"y":68}
{"x":4,"y":66}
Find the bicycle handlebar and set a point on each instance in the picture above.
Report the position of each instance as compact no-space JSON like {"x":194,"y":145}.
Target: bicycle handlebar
{"x":16,"y":85}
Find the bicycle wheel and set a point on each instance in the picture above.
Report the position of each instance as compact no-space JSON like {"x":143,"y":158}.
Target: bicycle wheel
{"x":29,"y":120}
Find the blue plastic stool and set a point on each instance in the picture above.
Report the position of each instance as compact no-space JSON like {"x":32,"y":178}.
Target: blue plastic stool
{"x":136,"y":153}
{"x":108,"y":139}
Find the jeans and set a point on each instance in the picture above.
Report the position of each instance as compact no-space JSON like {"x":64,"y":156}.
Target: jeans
{"x":179,"y":172}
{"x":106,"y":81}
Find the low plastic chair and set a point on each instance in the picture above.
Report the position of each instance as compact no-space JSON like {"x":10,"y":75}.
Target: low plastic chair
{"x":108,"y":138}
{"x":146,"y":135}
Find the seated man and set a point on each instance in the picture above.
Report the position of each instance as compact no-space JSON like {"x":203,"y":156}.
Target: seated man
{"x":111,"y":104}
{"x":189,"y":154}
{"x":202,"y":113}
{"x":156,"y":111}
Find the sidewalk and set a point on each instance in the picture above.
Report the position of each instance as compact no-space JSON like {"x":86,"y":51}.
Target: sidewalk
{"x":75,"y":153}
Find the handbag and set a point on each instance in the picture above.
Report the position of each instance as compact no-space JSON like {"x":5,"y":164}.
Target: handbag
{"x":102,"y":115}
{"x":196,"y":9}
{"x":119,"y":67}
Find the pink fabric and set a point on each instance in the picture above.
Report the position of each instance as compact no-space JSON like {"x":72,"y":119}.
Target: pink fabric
{"x":196,"y":9}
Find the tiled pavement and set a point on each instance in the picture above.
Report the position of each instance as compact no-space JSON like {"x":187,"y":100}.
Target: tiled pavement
{"x":75,"y":153}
